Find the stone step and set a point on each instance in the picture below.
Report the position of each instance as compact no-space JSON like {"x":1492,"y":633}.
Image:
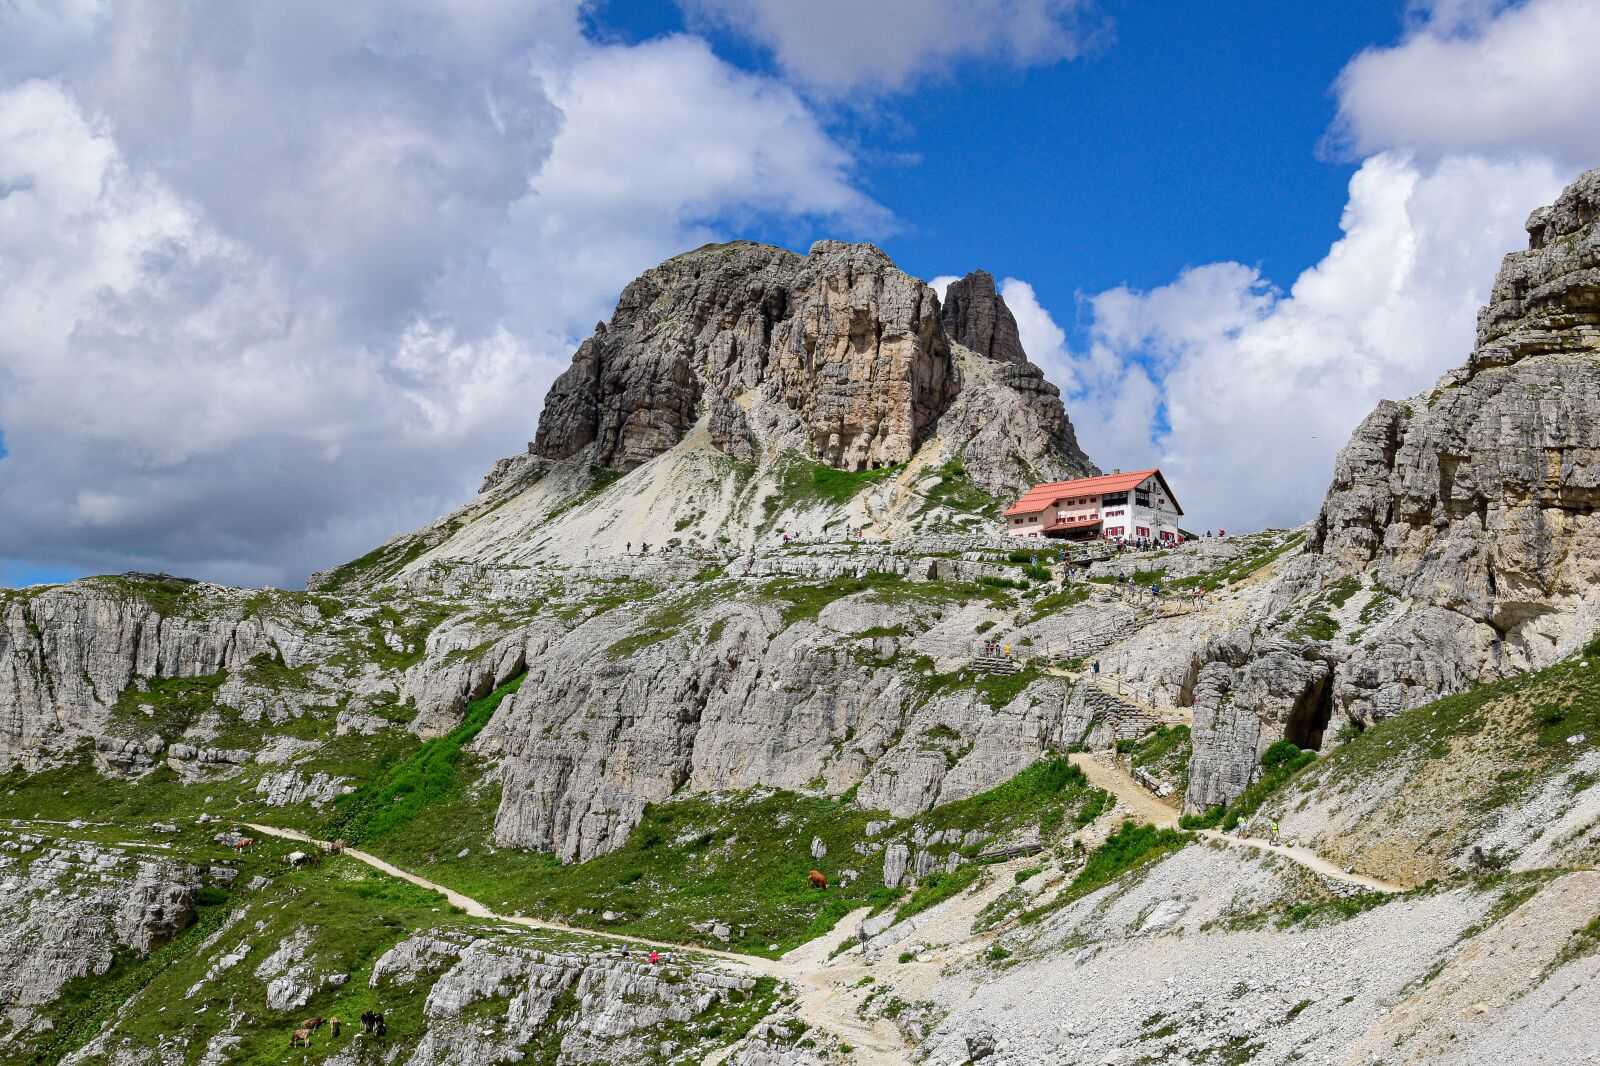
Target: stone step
{"x":996,"y":664}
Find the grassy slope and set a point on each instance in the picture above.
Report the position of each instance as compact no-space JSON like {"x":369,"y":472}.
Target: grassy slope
{"x":350,"y":916}
{"x":1408,"y":797}
{"x":741,"y":859}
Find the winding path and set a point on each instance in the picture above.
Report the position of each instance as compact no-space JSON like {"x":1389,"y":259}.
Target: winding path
{"x":819,"y":1002}
{"x":1132,"y":797}
{"x":821,"y":991}
{"x":478,"y":909}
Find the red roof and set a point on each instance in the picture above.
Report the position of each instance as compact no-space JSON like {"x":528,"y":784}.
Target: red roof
{"x":1041,"y":496}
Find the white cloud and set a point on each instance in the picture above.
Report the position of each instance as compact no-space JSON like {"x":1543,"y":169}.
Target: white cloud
{"x":641,"y":167}
{"x":1260,"y":388}
{"x":1485,"y":77}
{"x":283,"y":280}
{"x":1478,"y":115}
{"x":841,"y":46}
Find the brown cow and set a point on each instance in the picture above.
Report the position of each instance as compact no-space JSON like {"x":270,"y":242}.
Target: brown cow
{"x":337,"y":847}
{"x":242,"y":843}
{"x":817,"y":879}
{"x":300,"y":1038}
{"x":333,"y":1026}
{"x":311,"y":1025}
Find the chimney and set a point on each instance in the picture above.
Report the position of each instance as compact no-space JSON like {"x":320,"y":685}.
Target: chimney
{"x":1118,"y":470}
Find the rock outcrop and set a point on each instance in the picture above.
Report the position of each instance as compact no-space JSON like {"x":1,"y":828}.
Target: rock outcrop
{"x":1479,"y":496}
{"x":575,"y":1008}
{"x":1472,"y":506}
{"x":68,"y":910}
{"x":846,"y":349}
{"x":837,"y":354}
{"x":975,"y":315}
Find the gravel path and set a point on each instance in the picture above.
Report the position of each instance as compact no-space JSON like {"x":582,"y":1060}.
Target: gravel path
{"x":1132,"y":798}
{"x":821,"y":1001}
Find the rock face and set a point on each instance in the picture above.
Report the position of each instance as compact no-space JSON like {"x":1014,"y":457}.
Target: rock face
{"x":837,"y":354}
{"x":847,"y":349}
{"x":976,"y":316}
{"x":1479,"y":497}
{"x":67,"y":911}
{"x":1472,"y":506}
{"x":575,"y":1008}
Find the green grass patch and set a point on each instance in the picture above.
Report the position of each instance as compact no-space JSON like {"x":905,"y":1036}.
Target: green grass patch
{"x":1067,"y":598}
{"x":738,"y":858}
{"x":937,"y":887}
{"x":1049,"y":784}
{"x":166,"y":706}
{"x":372,"y":568}
{"x":421,"y":779}
{"x":956,"y":491}
{"x":1130,"y":846}
{"x":1269,"y":550}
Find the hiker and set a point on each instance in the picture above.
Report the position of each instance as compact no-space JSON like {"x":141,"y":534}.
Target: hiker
{"x":655,"y":957}
{"x":1273,"y":826}
{"x":1097,"y":668}
{"x":628,"y":547}
{"x":1008,"y":651}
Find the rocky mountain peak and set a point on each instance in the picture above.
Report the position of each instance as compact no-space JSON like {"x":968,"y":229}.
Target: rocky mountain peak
{"x":1479,"y":496}
{"x":976,"y":316}
{"x":1547,"y":297}
{"x":836,"y":354}
{"x":843,"y":351}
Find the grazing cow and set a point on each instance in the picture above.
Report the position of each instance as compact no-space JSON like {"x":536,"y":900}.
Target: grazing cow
{"x":298,"y":858}
{"x":311,"y":1025}
{"x":817,"y":879}
{"x":372,"y":1022}
{"x":242,"y":844}
{"x":300,"y":1038}
{"x":337,"y":847}
{"x":333,"y":1026}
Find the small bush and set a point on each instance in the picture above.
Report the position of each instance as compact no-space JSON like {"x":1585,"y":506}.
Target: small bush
{"x":1281,"y":752}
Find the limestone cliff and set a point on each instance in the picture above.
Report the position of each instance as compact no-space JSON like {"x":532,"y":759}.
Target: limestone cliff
{"x":844,"y":357}
{"x":1460,"y":529}
{"x":1479,"y":496}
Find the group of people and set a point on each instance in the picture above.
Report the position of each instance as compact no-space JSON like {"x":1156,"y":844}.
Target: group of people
{"x":655,"y":956}
{"x":993,"y":649}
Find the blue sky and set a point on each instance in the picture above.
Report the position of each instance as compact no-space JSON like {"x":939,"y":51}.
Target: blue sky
{"x":254,"y":335}
{"x":1190,"y":135}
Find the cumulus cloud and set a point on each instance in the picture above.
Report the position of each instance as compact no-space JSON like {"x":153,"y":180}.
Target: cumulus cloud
{"x":842,"y":46}
{"x":1480,"y":113}
{"x":1476,"y":76}
{"x":283,"y":280}
{"x":1253,"y":390}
